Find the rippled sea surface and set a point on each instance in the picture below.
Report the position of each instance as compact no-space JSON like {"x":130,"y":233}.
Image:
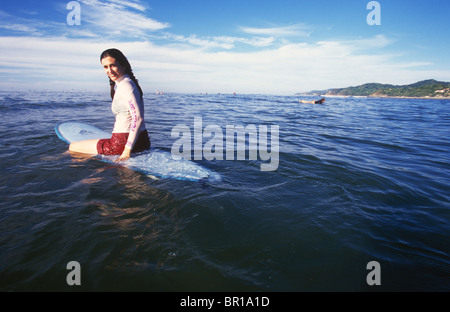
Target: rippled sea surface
{"x":359,"y":180}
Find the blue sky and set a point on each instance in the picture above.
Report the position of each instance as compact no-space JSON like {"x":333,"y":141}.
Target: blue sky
{"x":245,"y":46}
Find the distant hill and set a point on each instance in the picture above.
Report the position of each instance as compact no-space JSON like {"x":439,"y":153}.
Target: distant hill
{"x":427,"y":88}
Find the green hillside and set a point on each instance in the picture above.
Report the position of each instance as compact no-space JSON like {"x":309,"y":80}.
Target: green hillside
{"x":426,"y":88}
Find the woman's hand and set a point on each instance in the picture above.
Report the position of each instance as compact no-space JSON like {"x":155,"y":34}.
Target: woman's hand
{"x":125,"y":155}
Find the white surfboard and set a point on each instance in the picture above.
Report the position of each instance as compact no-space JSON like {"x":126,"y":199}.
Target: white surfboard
{"x":154,"y":163}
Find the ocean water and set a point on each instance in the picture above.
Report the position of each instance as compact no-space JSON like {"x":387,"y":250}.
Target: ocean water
{"x":359,"y":180}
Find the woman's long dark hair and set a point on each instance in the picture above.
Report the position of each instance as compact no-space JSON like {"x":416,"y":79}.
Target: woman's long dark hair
{"x":122,"y":60}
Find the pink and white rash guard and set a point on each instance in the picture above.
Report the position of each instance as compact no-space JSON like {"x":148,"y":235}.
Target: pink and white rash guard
{"x":128,"y":107}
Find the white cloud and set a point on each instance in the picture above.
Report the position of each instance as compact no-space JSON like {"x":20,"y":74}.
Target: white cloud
{"x":286,"y":31}
{"x":212,"y":42}
{"x":132,"y":4}
{"x":114,"y":18}
{"x":287,"y":69}
{"x":18,"y":27}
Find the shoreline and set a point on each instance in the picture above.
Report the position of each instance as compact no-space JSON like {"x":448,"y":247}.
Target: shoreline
{"x":378,"y":97}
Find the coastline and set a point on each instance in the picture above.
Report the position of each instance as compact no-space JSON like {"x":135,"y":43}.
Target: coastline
{"x":377,"y":97}
{"x":429,"y":89}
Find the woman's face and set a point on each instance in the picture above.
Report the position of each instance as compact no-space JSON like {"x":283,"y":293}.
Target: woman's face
{"x":112,"y":68}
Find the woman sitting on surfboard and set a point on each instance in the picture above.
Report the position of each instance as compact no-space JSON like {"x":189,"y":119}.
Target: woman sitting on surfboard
{"x":129,"y":134}
{"x":313,"y":102}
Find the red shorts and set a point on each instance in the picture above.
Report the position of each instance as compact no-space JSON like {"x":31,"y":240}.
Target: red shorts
{"x":116,"y":145}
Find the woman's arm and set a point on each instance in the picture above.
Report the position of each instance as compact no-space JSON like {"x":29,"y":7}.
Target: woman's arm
{"x":136,"y":122}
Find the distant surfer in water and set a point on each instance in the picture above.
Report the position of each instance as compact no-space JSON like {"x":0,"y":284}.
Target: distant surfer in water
{"x":321,"y":101}
{"x":129,"y":134}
